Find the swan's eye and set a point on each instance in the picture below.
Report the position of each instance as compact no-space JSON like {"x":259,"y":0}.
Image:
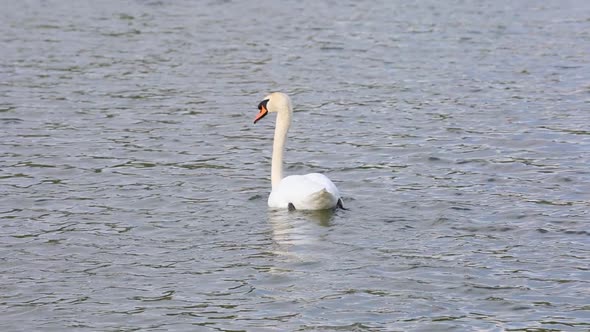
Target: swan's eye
{"x":262,"y":104}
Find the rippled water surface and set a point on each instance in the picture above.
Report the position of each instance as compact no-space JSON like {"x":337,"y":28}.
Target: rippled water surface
{"x":133,"y":183}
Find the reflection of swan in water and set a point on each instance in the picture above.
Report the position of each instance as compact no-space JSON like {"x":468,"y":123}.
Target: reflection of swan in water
{"x":300,"y":234}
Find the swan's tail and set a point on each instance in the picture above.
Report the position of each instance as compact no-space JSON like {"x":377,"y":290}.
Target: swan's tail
{"x":323,"y":199}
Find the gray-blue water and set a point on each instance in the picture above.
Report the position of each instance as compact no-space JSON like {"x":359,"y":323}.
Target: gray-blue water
{"x":133,"y":183}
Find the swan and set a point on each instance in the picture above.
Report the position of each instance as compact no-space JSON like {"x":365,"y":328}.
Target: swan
{"x":312,"y":191}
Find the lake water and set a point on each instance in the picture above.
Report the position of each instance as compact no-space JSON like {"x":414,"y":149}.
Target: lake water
{"x":133,"y":184}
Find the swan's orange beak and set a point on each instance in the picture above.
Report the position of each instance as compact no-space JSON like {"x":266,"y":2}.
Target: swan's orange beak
{"x":261,"y":114}
{"x":263,"y":110}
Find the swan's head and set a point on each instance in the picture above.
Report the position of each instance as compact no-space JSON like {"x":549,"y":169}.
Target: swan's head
{"x":274,"y":102}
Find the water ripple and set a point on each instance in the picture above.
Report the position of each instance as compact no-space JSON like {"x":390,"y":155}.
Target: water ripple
{"x":133,"y":184}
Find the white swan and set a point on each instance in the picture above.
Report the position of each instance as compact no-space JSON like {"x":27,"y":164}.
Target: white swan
{"x":302,"y":192}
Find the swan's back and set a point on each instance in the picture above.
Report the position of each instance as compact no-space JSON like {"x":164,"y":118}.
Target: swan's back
{"x":306,"y":192}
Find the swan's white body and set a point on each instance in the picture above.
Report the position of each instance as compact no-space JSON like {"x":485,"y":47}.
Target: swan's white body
{"x":303,"y":192}
{"x":312,"y":191}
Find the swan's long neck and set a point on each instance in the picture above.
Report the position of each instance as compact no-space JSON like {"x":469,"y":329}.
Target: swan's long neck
{"x":278,"y":146}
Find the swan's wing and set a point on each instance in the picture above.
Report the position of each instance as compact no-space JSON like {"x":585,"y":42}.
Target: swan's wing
{"x":306,"y":192}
